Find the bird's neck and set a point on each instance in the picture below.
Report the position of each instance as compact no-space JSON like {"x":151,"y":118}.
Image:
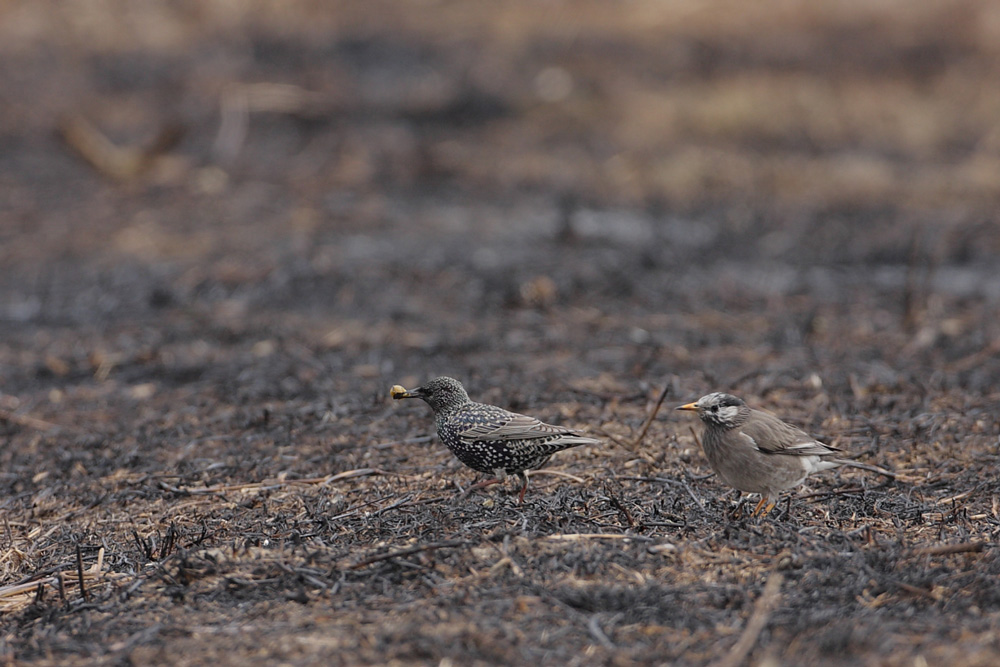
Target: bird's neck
{"x":444,"y":412}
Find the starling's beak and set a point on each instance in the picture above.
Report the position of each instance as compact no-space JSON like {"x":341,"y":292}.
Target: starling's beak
{"x":686,"y":406}
{"x":398,"y":392}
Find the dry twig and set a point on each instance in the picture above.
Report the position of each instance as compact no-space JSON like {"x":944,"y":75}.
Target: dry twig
{"x":575,"y":537}
{"x":961,"y":496}
{"x":949,"y":549}
{"x":409,"y":551}
{"x":556,"y":473}
{"x":116,"y":162}
{"x":766,"y":603}
{"x":20,"y":595}
{"x":272,"y":484}
{"x":870,"y":468}
{"x":651,"y":417}
{"x":240,"y":100}
{"x":619,"y":506}
{"x":26,"y":420}
{"x":79,"y":573}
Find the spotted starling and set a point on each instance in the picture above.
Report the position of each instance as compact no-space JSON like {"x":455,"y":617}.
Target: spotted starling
{"x":756,"y":452}
{"x":488,"y":438}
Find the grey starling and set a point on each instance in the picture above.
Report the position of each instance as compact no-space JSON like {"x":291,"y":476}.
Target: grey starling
{"x":756,"y":452}
{"x":488,"y":438}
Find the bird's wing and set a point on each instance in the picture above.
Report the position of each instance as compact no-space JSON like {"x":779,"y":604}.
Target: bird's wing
{"x":773,"y":436}
{"x":503,"y":425}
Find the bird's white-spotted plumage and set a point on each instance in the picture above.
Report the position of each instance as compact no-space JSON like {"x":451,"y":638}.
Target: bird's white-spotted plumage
{"x":488,"y":438}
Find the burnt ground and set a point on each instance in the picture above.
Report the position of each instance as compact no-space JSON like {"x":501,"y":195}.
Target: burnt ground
{"x":569,"y":206}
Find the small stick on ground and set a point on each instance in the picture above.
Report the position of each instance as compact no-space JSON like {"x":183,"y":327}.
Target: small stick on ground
{"x":39,"y":593}
{"x":555,"y":473}
{"x":913,"y":590}
{"x":120,"y":163}
{"x":650,"y":418}
{"x":575,"y":537}
{"x":694,"y":434}
{"x":820,"y":495}
{"x":17,"y":589}
{"x":409,"y":551}
{"x":239,"y":101}
{"x":961,"y":496}
{"x":399,"y":503}
{"x":407,"y":441}
{"x":26,"y":420}
{"x":766,"y":603}
{"x":79,"y":573}
{"x":948,"y":549}
{"x":610,"y":436}
{"x":268,"y":485}
{"x":619,"y":506}
{"x":971,"y":361}
{"x":870,"y":468}
{"x":594,"y":626}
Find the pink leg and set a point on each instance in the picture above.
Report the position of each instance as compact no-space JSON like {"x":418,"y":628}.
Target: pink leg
{"x":524,"y":487}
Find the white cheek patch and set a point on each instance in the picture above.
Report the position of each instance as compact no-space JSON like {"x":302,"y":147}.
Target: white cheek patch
{"x":728,"y":413}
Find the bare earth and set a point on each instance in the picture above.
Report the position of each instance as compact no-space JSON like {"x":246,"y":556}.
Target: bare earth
{"x":226,"y":229}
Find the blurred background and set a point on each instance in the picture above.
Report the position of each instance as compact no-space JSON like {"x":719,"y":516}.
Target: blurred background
{"x":309,"y":200}
{"x":314,"y":200}
{"x":363,"y":173}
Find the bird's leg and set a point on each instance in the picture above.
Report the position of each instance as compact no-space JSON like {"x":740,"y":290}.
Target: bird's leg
{"x":763,"y":500}
{"x":524,"y":477}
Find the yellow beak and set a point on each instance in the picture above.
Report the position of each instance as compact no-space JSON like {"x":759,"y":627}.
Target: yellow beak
{"x":688,"y":406}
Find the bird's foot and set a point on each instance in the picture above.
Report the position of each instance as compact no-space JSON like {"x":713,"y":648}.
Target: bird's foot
{"x":764,"y":507}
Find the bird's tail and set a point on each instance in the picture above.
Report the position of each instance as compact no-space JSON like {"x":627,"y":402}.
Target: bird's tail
{"x":577,"y":440}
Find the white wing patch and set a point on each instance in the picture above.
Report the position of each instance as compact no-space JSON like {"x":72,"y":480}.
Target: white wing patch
{"x":813,"y":448}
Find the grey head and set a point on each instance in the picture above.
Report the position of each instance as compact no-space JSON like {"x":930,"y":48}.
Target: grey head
{"x":719,"y":409}
{"x":443,"y":394}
